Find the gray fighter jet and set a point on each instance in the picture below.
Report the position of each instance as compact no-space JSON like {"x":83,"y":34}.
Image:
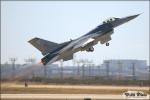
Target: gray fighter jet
{"x":53,"y":52}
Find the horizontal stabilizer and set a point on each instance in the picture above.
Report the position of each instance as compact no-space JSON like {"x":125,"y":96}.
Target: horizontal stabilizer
{"x":43,"y":45}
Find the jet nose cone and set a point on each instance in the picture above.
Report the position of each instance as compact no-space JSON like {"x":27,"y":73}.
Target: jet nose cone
{"x":132,"y":17}
{"x":124,"y":20}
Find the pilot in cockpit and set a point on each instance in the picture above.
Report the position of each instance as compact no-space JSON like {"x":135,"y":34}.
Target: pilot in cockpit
{"x":110,"y":20}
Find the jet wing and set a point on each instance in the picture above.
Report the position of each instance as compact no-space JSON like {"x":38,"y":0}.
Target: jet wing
{"x":81,"y":43}
{"x":88,"y":45}
{"x":84,"y":40}
{"x":91,"y":41}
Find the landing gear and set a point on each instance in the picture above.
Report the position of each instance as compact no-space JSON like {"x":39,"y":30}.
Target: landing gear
{"x":107,"y":44}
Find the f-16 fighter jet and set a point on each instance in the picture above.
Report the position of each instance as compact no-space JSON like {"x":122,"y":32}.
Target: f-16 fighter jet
{"x":53,"y":52}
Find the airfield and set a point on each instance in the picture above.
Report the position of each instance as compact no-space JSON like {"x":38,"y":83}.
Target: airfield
{"x":58,"y":96}
{"x":17,"y":91}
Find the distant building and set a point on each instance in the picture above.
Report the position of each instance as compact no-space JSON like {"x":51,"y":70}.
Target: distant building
{"x":109,"y":69}
{"x":127,"y":68}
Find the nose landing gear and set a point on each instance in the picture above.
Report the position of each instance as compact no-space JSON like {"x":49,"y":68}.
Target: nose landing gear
{"x":107,"y":44}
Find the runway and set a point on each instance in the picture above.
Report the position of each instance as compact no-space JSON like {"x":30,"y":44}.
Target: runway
{"x":61,"y":96}
{"x":65,"y":92}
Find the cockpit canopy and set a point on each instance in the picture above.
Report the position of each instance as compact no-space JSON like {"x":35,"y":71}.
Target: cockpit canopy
{"x":110,"y":20}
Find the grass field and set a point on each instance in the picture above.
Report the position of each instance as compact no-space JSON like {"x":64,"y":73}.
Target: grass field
{"x":19,"y":88}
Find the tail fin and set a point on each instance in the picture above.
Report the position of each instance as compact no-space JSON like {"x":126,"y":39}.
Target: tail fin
{"x":43,"y":45}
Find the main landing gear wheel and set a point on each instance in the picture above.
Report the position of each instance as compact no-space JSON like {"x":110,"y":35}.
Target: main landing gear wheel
{"x":107,"y":44}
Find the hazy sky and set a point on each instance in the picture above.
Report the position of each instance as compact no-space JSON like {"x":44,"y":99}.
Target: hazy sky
{"x":61,"y":20}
